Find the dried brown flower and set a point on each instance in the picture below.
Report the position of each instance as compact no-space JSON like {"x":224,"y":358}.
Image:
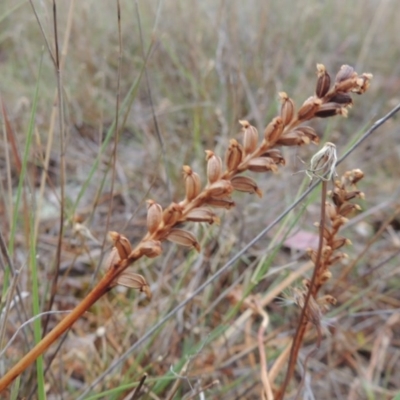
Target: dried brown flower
{"x":250,"y":137}
{"x":214,"y":167}
{"x":154,"y":215}
{"x":182,"y":237}
{"x":192,"y":183}
{"x":122,"y":244}
{"x":287,"y":108}
{"x":323,"y":82}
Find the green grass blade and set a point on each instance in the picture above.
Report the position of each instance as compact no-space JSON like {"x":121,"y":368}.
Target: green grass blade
{"x":32,"y":252}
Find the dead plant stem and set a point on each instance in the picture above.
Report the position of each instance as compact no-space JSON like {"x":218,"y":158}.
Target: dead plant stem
{"x":56,"y":273}
{"x":303,"y":322}
{"x":98,"y":291}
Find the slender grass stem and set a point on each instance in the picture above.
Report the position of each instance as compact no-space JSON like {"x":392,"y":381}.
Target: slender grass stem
{"x":303,"y":321}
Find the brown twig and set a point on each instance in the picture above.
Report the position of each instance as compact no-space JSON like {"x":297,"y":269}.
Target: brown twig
{"x":57,"y":66}
{"x":303,"y":320}
{"x":267,"y":390}
{"x":136,"y":392}
{"x":98,"y":291}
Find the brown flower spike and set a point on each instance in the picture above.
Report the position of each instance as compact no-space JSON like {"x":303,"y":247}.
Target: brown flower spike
{"x":254,"y":154}
{"x":287,"y":129}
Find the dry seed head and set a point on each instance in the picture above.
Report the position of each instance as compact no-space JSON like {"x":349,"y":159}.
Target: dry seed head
{"x":214,"y":166}
{"x":184,"y":238}
{"x":323,"y":82}
{"x":250,"y":138}
{"x":323,"y":163}
{"x":273,"y":130}
{"x":154,"y":215}
{"x":234,"y":155}
{"x":287,"y":108}
{"x":122,"y":244}
{"x":245,"y":184}
{"x":192,"y":183}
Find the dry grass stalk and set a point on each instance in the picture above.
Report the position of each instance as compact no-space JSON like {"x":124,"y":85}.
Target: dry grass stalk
{"x":287,"y":129}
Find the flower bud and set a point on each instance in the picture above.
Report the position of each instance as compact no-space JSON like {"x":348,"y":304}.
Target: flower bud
{"x":192,"y":183}
{"x":250,"y":139}
{"x":202,"y":214}
{"x":307,"y":110}
{"x":214,"y":166}
{"x":172,"y":214}
{"x":346,"y":72}
{"x":273,"y":130}
{"x":154,"y":215}
{"x":234,"y":155}
{"x":134,"y":281}
{"x":262,"y":164}
{"x":184,"y":238}
{"x":150,"y":248}
{"x":221,"y":188}
{"x":226,"y":203}
{"x":287,"y":108}
{"x":341,"y":98}
{"x":122,"y":244}
{"x":276,"y":155}
{"x":245,"y":184}
{"x":323,"y":82}
{"x":328,"y":110}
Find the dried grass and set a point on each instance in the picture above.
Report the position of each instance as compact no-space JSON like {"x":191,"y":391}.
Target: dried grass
{"x":218,"y":334}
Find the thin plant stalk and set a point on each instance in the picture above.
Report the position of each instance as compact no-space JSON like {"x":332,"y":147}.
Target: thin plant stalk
{"x":303,"y":320}
{"x":56,"y":272}
{"x":98,"y":291}
{"x":6,"y":310}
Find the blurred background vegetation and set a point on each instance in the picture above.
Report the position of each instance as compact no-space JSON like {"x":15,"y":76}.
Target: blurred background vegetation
{"x":207,"y":64}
